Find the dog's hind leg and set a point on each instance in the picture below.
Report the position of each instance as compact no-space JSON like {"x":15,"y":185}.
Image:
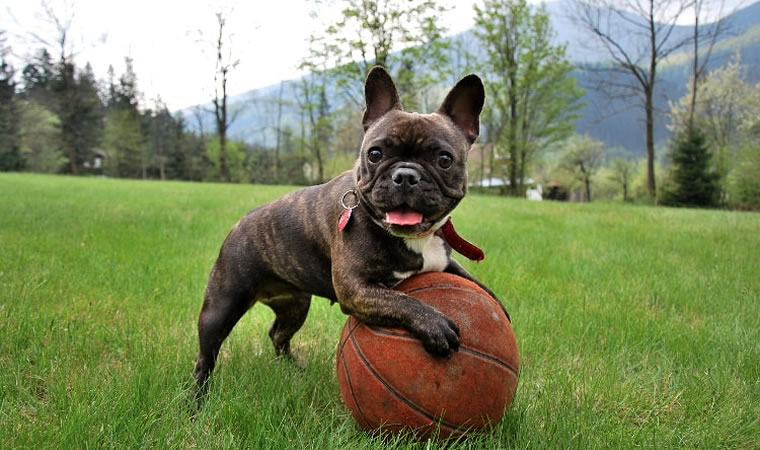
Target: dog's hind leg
{"x":223,"y":306}
{"x":290,"y":309}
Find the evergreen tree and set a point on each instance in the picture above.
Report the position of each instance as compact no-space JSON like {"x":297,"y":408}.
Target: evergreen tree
{"x":10,"y":150}
{"x":89,"y":113}
{"x":37,"y":77}
{"x":178,"y":157}
{"x":692,"y":181}
{"x":79,"y":111}
{"x":124,"y":137}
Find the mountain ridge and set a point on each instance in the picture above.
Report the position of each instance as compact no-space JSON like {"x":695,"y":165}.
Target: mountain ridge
{"x":255,"y":125}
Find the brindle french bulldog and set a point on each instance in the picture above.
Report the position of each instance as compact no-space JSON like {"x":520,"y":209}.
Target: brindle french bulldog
{"x":354,"y":238}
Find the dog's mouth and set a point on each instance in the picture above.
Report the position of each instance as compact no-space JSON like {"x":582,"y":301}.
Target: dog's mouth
{"x":403,"y":216}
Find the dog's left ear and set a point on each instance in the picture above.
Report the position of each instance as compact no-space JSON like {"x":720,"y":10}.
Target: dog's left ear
{"x":463,"y":105}
{"x":380,"y":94}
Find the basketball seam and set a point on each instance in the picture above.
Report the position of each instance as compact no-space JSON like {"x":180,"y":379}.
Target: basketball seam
{"x":351,"y":389}
{"x":476,"y":353}
{"x":352,"y":328}
{"x":454,"y":287}
{"x":454,"y":428}
{"x":489,"y":358}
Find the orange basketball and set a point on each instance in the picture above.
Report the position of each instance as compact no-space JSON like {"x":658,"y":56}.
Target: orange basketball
{"x":390,"y":383}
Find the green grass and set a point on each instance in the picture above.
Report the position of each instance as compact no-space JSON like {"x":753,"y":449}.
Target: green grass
{"x":637,"y":326}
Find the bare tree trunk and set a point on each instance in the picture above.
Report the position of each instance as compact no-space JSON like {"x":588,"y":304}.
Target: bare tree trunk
{"x":278,"y":130}
{"x":695,"y":67}
{"x":223,"y":120}
{"x":649,"y":103}
{"x":513,"y":124}
{"x":649,"y":110}
{"x":659,"y":18}
{"x":513,"y":160}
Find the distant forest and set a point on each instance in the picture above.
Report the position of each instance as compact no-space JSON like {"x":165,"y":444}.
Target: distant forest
{"x":568,"y":133}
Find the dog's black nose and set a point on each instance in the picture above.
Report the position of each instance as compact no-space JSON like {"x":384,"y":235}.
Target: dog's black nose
{"x":405,"y":175}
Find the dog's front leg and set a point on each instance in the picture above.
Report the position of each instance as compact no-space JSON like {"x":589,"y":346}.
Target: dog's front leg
{"x":377,"y":305}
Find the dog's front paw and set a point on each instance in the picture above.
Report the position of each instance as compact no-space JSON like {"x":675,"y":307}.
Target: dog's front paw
{"x":439,"y":334}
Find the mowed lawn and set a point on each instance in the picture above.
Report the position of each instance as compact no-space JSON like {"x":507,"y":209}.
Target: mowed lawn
{"x":637,"y":326}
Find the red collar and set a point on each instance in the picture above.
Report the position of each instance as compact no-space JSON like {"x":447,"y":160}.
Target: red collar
{"x":458,"y":243}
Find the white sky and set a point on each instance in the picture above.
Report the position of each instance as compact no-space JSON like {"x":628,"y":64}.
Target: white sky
{"x":269,"y":37}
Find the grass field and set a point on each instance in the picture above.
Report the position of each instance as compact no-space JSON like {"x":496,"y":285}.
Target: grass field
{"x":638,"y":326}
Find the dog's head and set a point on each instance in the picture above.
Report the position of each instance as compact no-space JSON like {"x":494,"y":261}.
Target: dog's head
{"x":411,"y":171}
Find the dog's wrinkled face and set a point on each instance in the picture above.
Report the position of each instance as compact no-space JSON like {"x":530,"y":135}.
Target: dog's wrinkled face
{"x":411,"y":171}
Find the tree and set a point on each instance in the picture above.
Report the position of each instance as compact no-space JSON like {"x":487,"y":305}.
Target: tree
{"x":404,"y":36}
{"x":745,"y":180}
{"x":316,"y":120}
{"x":163,"y":136}
{"x":582,"y":157}
{"x":40,"y":137}
{"x":692,"y":181}
{"x":622,"y":174}
{"x":725,"y":101}
{"x":315,"y":108}
{"x":37,"y":77}
{"x":124,"y":138}
{"x":224,"y":117}
{"x":73,"y":93}
{"x":10,"y":151}
{"x":533,"y":99}
{"x":637,"y":35}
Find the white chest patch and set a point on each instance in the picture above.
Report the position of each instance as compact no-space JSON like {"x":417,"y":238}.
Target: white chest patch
{"x":432,"y":250}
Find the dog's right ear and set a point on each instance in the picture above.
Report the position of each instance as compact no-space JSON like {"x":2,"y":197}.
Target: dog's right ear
{"x":380,"y":94}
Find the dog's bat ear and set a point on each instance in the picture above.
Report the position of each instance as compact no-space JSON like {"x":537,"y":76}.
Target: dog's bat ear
{"x":380,"y":94}
{"x":463,"y":105}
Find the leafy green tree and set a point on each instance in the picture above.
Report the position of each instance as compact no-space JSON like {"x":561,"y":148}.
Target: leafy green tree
{"x":532,"y":98}
{"x":124,"y":143}
{"x":622,"y":172}
{"x":726,"y":102}
{"x":745,"y":180}
{"x":581,"y":157}
{"x":692,"y":181}
{"x":124,"y":138}
{"x":235,"y":159}
{"x":404,"y":36}
{"x":40,"y":137}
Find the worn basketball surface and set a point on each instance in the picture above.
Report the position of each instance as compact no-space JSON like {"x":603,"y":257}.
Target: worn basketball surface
{"x":389,"y":382}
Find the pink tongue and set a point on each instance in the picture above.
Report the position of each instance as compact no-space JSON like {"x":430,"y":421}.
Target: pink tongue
{"x":403,"y":217}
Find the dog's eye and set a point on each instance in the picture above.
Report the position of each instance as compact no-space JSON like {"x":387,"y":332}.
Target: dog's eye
{"x":445,"y":160}
{"x":374,"y":155}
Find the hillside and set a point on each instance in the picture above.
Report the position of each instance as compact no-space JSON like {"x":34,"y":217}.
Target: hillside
{"x":617,"y":123}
